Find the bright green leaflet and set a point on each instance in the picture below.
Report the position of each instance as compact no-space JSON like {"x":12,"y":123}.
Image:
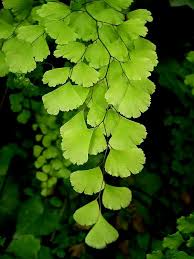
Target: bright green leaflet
{"x":101,"y":234}
{"x":30,"y":32}
{"x":115,"y":198}
{"x":74,"y":96}
{"x":53,"y":11}
{"x":76,"y":149}
{"x":72,"y":51}
{"x":19,"y":56}
{"x":84,"y":75}
{"x":97,"y":105}
{"x":56,"y":76}
{"x":123,"y":163}
{"x":88,"y":214}
{"x":57,"y":30}
{"x":102,"y":56}
{"x":104,"y":13}
{"x":87,"y":181}
{"x":98,"y":142}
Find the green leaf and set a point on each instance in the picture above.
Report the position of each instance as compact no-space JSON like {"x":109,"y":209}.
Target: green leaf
{"x":134,"y":26}
{"x":173,"y":241}
{"x":19,"y":56}
{"x":97,"y":105}
{"x":53,"y":11}
{"x":142,"y":14}
{"x":56,"y":76}
{"x":119,"y":4}
{"x":136,"y":100}
{"x":126,"y":134}
{"x":101,"y":234}
{"x":30,"y":33}
{"x":111,"y":40}
{"x":111,"y":121}
{"x":104,"y":13}
{"x":72,"y":51}
{"x":186,"y":224}
{"x":65,"y":98}
{"x":115,"y":198}
{"x":60,"y":31}
{"x":133,"y":97}
{"x":131,"y":30}
{"x":88,"y":214}
{"x":6,"y":29}
{"x":76,"y":139}
{"x":21,"y":8}
{"x":40,"y":49}
{"x":97,"y":55}
{"x":87,"y":181}
{"x":83,"y":25}
{"x":123,"y":163}
{"x":98,"y":142}
{"x":3,"y":65}
{"x":142,"y":61}
{"x":25,"y":246}
{"x":116,"y":77}
{"x":85,"y":75}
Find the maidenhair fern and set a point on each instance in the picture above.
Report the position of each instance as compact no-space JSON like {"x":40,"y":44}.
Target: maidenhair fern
{"x":105,"y":79}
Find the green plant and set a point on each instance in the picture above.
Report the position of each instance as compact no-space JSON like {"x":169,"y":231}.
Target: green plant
{"x":104,"y":84}
{"x":180,"y":244}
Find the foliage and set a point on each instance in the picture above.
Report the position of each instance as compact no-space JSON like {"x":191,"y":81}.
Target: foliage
{"x":178,"y":121}
{"x":180,"y":244}
{"x":87,"y":36}
{"x":89,"y":62}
